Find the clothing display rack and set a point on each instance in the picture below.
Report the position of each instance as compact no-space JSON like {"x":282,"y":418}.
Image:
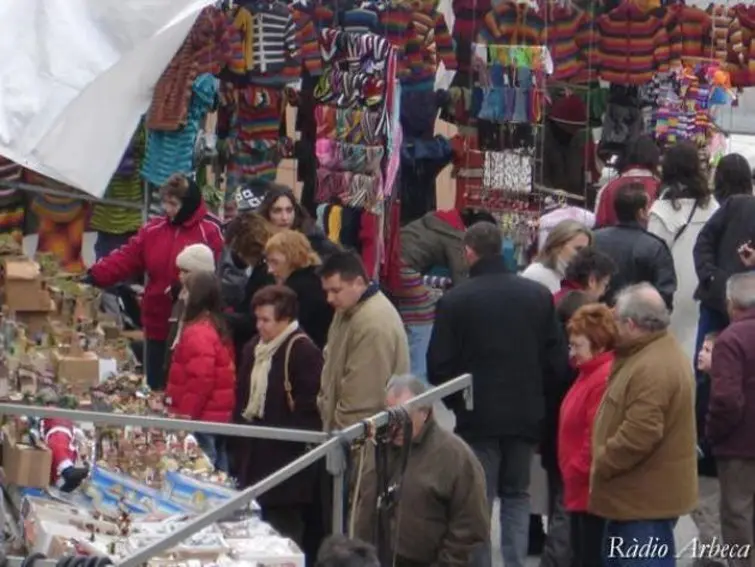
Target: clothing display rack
{"x":332,"y":446}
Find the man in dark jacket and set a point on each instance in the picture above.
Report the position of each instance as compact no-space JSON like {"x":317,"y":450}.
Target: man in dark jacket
{"x":503,"y":330}
{"x":442,"y":507}
{"x":639,"y":255}
{"x":731,"y":414}
{"x":718,"y":255}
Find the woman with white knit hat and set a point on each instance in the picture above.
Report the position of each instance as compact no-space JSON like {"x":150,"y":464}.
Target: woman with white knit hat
{"x":192,"y":259}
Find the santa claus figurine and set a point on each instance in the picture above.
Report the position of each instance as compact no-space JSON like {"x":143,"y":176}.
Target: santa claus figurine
{"x":60,"y":437}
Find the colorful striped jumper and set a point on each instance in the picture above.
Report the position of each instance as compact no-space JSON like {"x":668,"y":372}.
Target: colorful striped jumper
{"x":632,"y":45}
{"x":569,"y":38}
{"x":422,"y":39}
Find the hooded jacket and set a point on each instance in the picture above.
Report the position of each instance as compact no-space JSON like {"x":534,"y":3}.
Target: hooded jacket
{"x":575,"y":429}
{"x":435,"y":240}
{"x":202,"y":380}
{"x":153,"y":251}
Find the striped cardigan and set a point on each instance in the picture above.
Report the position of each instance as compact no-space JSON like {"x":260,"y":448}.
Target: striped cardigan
{"x":513,"y":24}
{"x":421,"y":38}
{"x":742,"y":43}
{"x":632,"y":45}
{"x":689,"y":32}
{"x":568,"y":37}
{"x":469,"y":21}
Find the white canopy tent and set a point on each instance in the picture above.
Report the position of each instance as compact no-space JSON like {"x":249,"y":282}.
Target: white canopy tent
{"x":77,"y":75}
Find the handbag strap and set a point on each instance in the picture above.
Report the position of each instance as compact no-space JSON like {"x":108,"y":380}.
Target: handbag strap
{"x":681,"y":230}
{"x":286,"y":380}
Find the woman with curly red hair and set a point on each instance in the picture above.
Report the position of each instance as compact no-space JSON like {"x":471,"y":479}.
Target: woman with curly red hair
{"x":592,"y":337}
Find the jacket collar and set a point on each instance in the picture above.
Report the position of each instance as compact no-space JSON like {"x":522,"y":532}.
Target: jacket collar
{"x":426,"y":431}
{"x":628,"y":348}
{"x":569,"y":285}
{"x":632,"y":224}
{"x":596,"y":362}
{"x":300,"y":274}
{"x":488,"y":266}
{"x":748,"y":314}
{"x":371,"y":291}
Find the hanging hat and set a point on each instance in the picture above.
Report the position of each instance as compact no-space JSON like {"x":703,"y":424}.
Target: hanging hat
{"x":569,"y":110}
{"x":249,"y":198}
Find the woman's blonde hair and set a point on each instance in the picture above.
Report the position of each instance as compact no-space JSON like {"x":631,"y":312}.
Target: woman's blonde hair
{"x":295,"y":247}
{"x":557,"y":238}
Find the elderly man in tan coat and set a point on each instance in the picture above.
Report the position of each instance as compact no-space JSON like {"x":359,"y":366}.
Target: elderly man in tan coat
{"x":366,"y":344}
{"x":644,"y":470}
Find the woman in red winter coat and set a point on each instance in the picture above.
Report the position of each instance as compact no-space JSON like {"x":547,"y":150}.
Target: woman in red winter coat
{"x":153,"y":251}
{"x":592,"y":337}
{"x":202,"y":380}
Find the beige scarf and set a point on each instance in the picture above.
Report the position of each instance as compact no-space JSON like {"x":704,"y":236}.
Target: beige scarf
{"x":263,"y":360}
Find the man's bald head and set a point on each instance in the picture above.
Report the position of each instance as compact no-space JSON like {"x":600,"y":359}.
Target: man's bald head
{"x":644,"y":307}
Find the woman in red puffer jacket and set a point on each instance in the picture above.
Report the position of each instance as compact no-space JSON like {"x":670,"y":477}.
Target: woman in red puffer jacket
{"x":592,"y":337}
{"x":153,"y":251}
{"x":202,"y":380}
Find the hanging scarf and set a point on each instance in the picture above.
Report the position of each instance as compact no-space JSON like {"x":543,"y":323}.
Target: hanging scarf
{"x":263,"y":360}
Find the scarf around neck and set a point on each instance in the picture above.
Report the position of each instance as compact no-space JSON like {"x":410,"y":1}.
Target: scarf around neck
{"x":263,"y":360}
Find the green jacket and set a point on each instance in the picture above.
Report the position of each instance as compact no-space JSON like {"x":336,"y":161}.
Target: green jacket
{"x":430,"y":242}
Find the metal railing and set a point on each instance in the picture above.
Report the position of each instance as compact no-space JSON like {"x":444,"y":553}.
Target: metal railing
{"x":332,"y":447}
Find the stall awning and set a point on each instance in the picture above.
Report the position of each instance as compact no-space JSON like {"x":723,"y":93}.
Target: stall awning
{"x":75,"y":77}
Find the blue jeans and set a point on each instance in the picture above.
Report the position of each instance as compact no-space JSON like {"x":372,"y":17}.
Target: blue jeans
{"x":215,"y":448}
{"x":506,"y":462}
{"x":640,"y":543}
{"x":419,"y":340}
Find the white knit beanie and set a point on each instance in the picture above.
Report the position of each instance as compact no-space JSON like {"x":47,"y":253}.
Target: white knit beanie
{"x":196,"y":258}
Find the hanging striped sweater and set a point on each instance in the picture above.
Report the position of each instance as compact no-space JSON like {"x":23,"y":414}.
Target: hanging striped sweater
{"x":568,"y":35}
{"x":422,"y":41}
{"x":689,"y":32}
{"x":513,"y":24}
{"x":742,"y":43}
{"x":270,"y":42}
{"x":126,"y":185}
{"x":470,"y":19}
{"x":632,"y":45}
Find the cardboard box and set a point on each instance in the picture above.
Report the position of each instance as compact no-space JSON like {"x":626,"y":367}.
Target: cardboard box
{"x":25,"y":465}
{"x":79,"y":370}
{"x":34,"y":321}
{"x":24,"y":288}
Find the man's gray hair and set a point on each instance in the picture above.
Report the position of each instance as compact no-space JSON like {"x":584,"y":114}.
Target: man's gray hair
{"x":740,"y":290}
{"x":401,"y":383}
{"x":642,"y":304}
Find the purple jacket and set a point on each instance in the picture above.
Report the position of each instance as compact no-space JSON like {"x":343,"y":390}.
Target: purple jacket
{"x":730,"y":425}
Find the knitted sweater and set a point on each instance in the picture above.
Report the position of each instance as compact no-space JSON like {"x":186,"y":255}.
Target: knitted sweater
{"x":722,"y":18}
{"x":689,"y":32}
{"x":126,"y":185}
{"x":309,"y":20}
{"x":469,"y":21}
{"x":632,"y":45}
{"x":270,"y":39}
{"x":173,"y":152}
{"x":421,"y":38}
{"x":742,"y":44}
{"x":568,"y":40}
{"x":513,"y":24}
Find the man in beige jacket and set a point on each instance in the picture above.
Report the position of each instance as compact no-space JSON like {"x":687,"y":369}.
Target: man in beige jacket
{"x":366,"y":344}
{"x":644,"y":469}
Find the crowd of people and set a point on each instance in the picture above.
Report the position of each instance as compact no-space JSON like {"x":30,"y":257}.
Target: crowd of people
{"x":620,"y":355}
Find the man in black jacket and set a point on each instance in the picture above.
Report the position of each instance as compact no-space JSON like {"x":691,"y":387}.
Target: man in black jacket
{"x":503,"y":330}
{"x":639,"y":255}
